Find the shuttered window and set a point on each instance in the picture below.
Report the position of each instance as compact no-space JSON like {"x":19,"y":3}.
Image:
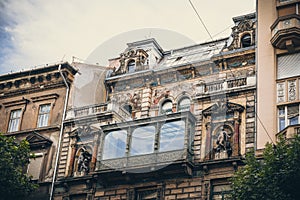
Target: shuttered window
{"x":288,"y":66}
{"x":35,"y":166}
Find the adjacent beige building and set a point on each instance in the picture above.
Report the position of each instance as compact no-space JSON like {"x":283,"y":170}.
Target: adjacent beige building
{"x":278,"y":58}
{"x":31,"y":107}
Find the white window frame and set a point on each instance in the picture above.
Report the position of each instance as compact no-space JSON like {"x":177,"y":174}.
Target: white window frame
{"x":285,"y":116}
{"x":43,"y":117}
{"x":14,"y":122}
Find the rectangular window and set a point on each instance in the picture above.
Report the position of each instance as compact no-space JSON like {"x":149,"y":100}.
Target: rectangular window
{"x":292,"y":114}
{"x":281,"y":118}
{"x":288,"y":115}
{"x":288,"y":66}
{"x":220,"y":190}
{"x":172,"y":136}
{"x":14,"y":120}
{"x":35,"y":166}
{"x":142,"y":140}
{"x":115,"y":145}
{"x":43,"y":117}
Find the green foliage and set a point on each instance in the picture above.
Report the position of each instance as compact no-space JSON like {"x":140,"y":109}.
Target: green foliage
{"x":14,"y":157}
{"x":276,"y":176}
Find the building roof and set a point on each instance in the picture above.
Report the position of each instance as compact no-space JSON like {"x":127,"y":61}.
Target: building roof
{"x":40,"y":70}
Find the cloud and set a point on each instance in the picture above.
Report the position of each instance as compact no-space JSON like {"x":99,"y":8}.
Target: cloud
{"x":39,"y":32}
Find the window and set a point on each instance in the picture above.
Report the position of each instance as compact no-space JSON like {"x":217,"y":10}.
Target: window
{"x":43,"y":117}
{"x":288,"y":66}
{"x":14,"y":120}
{"x":281,"y":118}
{"x":35,"y":166}
{"x":166,"y":107}
{"x":246,"y":40}
{"x":184,"y":104}
{"x":142,"y":141}
{"x":114,"y":145}
{"x":172,"y":136}
{"x":131,"y":66}
{"x":288,"y":115}
{"x":128,"y":108}
{"x":220,"y":191}
{"x":147,"y":194}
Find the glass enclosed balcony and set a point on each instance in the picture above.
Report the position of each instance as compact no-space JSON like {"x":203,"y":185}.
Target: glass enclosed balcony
{"x":147,"y":144}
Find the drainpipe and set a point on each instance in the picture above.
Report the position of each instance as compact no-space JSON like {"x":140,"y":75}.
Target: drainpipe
{"x":61,"y":132}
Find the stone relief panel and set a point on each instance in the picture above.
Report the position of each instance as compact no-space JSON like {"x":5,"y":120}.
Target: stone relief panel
{"x":280,"y":92}
{"x":132,"y":98}
{"x":292,"y":95}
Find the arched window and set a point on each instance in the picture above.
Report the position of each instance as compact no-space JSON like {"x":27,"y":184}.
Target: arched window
{"x":246,"y":40}
{"x":131,"y":66}
{"x":184,"y":104}
{"x":166,"y":107}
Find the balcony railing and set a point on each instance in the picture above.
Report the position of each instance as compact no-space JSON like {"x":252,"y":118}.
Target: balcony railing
{"x":289,"y":132}
{"x":208,"y":88}
{"x":286,"y":32}
{"x":98,"y":109}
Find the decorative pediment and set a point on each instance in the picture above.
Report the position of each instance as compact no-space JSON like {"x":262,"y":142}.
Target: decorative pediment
{"x":223,"y":107}
{"x":243,"y":33}
{"x":131,"y":60}
{"x":36,"y":140}
{"x":84,"y":130}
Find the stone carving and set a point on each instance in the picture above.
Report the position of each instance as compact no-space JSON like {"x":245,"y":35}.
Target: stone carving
{"x":241,"y":27}
{"x":280,"y":92}
{"x":292,"y":90}
{"x":158,"y":94}
{"x":135,"y":100}
{"x":223,"y":144}
{"x":84,"y":161}
{"x":139,"y":56}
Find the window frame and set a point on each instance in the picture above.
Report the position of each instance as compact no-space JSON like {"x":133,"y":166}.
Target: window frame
{"x":35,"y":156}
{"x":104,"y":145}
{"x":19,"y":120}
{"x":40,"y":124}
{"x":153,"y":140}
{"x":284,"y":116}
{"x":244,"y":40}
{"x":155,"y":131}
{"x":169,"y":111}
{"x":131,"y":65}
{"x":184,"y":109}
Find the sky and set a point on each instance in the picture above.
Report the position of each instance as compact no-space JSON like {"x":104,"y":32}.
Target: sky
{"x":35,"y":33}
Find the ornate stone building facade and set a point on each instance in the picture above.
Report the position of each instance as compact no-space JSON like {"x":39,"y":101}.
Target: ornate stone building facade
{"x":175,"y":125}
{"x":31,"y":107}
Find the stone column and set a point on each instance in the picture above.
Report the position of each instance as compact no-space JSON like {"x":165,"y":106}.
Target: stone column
{"x":208,"y":141}
{"x":72,"y":158}
{"x":236,"y":139}
{"x":95,"y":150}
{"x":146,"y":102}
